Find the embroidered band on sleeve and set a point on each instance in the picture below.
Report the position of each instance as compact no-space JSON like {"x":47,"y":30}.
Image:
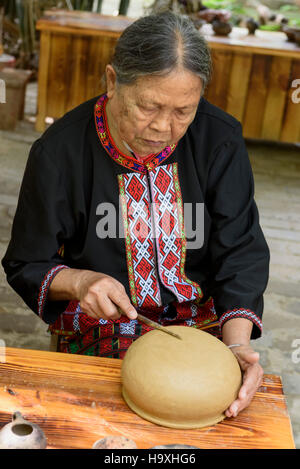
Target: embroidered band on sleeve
{"x":240,"y":313}
{"x":45,"y":285}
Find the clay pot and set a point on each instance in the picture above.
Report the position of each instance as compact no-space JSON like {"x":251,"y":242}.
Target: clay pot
{"x":297,"y":37}
{"x":252,"y":25}
{"x":292,"y":33}
{"x":221,"y":28}
{"x":115,"y":442}
{"x":175,"y":446}
{"x":22,"y":434}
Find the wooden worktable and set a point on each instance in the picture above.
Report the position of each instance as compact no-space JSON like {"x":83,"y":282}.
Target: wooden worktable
{"x":252,"y":78}
{"x":77,"y":400}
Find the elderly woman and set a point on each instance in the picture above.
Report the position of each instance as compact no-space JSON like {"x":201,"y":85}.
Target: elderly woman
{"x":153,"y":154}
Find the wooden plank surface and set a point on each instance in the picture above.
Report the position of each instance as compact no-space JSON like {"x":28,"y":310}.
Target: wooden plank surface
{"x":79,"y":60}
{"x":43,"y":77}
{"x":216,"y":92}
{"x":276,"y":98}
{"x":257,"y":95}
{"x":291,"y":123}
{"x":85,"y":23}
{"x":77,"y":400}
{"x":238,"y":89}
{"x":60,"y":75}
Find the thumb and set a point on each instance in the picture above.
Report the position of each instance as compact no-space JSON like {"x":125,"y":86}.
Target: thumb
{"x":250,"y":356}
{"x":246,"y":355}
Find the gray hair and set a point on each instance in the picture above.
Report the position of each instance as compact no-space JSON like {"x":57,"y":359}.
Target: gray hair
{"x":157,"y":44}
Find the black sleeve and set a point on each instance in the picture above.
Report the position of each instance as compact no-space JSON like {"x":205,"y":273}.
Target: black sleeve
{"x":41,"y":224}
{"x":238,"y":252}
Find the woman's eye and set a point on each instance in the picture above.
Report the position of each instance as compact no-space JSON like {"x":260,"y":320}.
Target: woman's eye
{"x":181,"y":113}
{"x":148,"y":109}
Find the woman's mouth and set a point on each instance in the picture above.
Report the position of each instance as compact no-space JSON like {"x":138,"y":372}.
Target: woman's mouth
{"x":154,"y":143}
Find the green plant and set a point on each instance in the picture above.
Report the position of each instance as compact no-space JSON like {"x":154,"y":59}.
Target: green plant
{"x":270,"y":27}
{"x":288,"y":8}
{"x":294,"y":22}
{"x":226,"y":4}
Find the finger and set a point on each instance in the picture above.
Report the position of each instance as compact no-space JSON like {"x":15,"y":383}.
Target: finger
{"x":252,"y":380}
{"x":91,"y":315}
{"x":232,"y":411}
{"x":250,"y":356}
{"x":236,"y":407}
{"x":246,"y":356}
{"x":91,"y":308}
{"x":108,"y":308}
{"x":123,"y":304}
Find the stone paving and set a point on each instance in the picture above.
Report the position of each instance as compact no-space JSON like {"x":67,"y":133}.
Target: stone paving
{"x":277,"y":176}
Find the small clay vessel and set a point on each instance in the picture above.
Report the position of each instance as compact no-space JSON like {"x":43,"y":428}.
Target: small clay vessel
{"x":175,"y":446}
{"x":297,"y":38}
{"x":252,"y":25}
{"x":221,"y":28}
{"x":22,"y":434}
{"x":290,"y":33}
{"x":115,"y":442}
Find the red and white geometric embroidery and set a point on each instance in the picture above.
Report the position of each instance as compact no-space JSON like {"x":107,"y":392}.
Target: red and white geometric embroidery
{"x":154,"y":234}
{"x":134,"y":195}
{"x":170,"y":235}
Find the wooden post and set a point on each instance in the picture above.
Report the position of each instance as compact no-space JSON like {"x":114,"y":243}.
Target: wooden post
{"x":1,"y":28}
{"x":43,"y":81}
{"x":123,"y":8}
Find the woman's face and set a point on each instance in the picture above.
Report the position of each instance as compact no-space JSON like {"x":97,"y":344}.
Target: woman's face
{"x":153,"y":112}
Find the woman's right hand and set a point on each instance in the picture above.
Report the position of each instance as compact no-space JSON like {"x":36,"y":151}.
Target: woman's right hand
{"x":100,"y":296}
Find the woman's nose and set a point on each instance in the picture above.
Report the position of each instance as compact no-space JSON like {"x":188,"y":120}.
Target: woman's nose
{"x":161,"y":123}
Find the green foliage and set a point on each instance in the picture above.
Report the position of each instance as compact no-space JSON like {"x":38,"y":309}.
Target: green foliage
{"x":270,"y":27}
{"x":235,"y":6}
{"x":295,"y":22}
{"x":288,"y":8}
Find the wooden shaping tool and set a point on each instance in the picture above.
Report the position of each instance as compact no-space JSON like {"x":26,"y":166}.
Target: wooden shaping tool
{"x":154,"y":324}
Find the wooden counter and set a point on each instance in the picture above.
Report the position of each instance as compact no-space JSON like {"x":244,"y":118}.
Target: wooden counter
{"x":77,"y":400}
{"x":252,"y":77}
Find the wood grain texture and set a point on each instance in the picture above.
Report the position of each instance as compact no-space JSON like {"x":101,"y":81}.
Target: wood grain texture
{"x":84,"y":23}
{"x":43,"y":76}
{"x":59,"y":75}
{"x":276,"y":98}
{"x":217,"y":90}
{"x":291,"y":123}
{"x":257,"y":95}
{"x":238,"y":88}
{"x":77,"y":400}
{"x":78,"y":66}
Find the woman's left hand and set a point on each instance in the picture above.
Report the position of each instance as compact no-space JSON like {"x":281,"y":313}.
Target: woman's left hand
{"x":252,"y":378}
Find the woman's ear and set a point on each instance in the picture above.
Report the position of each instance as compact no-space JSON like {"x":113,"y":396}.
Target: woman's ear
{"x":111,"y":81}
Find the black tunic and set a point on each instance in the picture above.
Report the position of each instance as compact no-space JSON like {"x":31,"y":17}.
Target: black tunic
{"x":74,"y":173}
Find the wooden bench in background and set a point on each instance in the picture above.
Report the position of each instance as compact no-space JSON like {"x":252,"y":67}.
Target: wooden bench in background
{"x":252,"y":75}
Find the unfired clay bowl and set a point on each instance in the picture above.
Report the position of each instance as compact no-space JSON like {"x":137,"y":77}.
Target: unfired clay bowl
{"x":186,"y":383}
